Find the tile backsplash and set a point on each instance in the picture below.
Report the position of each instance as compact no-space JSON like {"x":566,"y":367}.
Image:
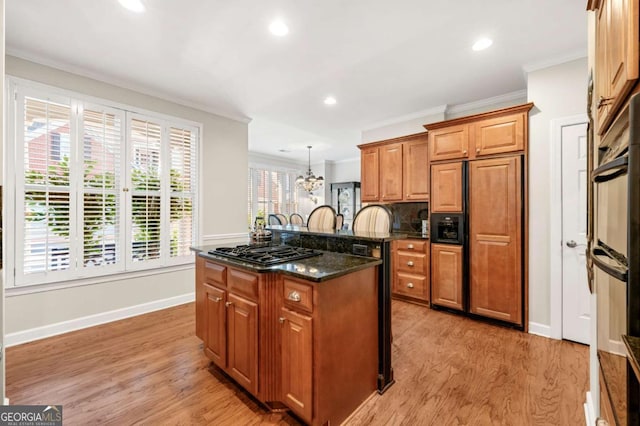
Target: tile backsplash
{"x":407,"y":217}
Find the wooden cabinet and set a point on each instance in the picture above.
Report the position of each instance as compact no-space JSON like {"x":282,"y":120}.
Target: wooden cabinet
{"x":466,"y":138}
{"x":411,"y":270}
{"x":290,"y":341}
{"x":617,"y":57}
{"x":391,"y":176}
{"x":495,"y":238}
{"x":229,"y":320}
{"x":449,"y":143}
{"x":369,"y":175}
{"x":446,"y":188}
{"x":395,"y":170}
{"x":499,"y":135}
{"x":242,"y":341}
{"x":447,"y":275}
{"x":215,"y":340}
{"x":416,"y":170}
{"x":297,"y":363}
{"x":328,"y":344}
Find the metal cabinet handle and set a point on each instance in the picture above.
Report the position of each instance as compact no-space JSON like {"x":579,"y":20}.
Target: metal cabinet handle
{"x":217,"y":299}
{"x":572,"y":244}
{"x":227,"y":304}
{"x":410,"y":263}
{"x":602,"y":101}
{"x":294,"y":296}
{"x":410,"y":285}
{"x":410,"y":246}
{"x":478,"y":150}
{"x":281,"y":319}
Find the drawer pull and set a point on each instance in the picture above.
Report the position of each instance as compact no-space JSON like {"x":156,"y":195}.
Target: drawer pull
{"x":217,"y":299}
{"x":478,"y":150}
{"x":602,"y":101}
{"x":410,"y":246}
{"x":294,"y":296}
{"x":410,"y":285}
{"x":281,"y":319}
{"x":464,"y":152}
{"x":410,"y":263}
{"x":227,"y":304}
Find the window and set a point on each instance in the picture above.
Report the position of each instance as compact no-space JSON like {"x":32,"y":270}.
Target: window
{"x":271,"y":191}
{"x":99,"y":189}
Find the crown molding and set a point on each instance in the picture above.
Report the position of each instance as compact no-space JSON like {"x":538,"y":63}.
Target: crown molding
{"x":124,"y":84}
{"x":556,"y":60}
{"x":440,"y":109}
{"x":507,"y":97}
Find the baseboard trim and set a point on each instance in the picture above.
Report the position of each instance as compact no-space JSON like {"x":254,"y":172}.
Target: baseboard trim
{"x":589,"y":411}
{"x":539,"y":329}
{"x":30,"y":335}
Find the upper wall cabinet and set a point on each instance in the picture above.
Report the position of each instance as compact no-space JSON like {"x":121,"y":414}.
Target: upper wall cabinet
{"x":476,"y":136}
{"x":395,"y":169}
{"x":616,"y":61}
{"x":369,"y":171}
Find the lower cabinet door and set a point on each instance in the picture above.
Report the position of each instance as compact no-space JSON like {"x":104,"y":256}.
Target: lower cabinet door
{"x":242,"y":345}
{"x":297,"y":368}
{"x":215,"y":339}
{"x":446,"y":275}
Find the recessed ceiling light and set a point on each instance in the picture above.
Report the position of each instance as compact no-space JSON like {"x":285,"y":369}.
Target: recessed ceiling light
{"x":279,"y":28}
{"x":482,"y":44}
{"x":330,"y":100}
{"x":132,"y":5}
{"x":284,"y":150}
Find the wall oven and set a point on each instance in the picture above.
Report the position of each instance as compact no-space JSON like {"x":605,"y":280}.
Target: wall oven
{"x":614,"y":255}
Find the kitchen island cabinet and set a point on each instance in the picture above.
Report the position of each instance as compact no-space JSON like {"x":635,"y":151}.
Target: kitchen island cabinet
{"x":292,"y":335}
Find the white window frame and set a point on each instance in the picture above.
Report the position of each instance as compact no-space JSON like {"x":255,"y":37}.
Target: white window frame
{"x":12,"y":188}
{"x":254,"y":193}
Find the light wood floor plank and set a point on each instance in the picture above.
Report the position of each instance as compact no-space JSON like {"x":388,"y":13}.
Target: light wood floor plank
{"x":449,"y":370}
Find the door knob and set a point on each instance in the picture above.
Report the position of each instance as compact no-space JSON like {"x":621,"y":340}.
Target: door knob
{"x":572,"y":244}
{"x":227,"y":304}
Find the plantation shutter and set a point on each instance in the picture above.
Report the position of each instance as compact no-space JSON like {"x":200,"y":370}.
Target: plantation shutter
{"x":146,"y":197}
{"x":102,"y":138}
{"x":182,"y":152}
{"x":43,"y":193}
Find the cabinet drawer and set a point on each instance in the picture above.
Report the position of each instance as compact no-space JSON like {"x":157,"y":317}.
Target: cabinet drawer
{"x":297,"y":295}
{"x":411,"y":285}
{"x":412,"y":245}
{"x":215,"y":272}
{"x":243,"y":283}
{"x":412,"y":262}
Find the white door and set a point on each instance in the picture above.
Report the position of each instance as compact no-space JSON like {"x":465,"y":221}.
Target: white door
{"x":575,"y":292}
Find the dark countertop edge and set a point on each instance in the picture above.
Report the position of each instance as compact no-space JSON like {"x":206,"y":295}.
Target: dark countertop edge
{"x":338,"y":234}
{"x":632,"y":345}
{"x":372,"y":261}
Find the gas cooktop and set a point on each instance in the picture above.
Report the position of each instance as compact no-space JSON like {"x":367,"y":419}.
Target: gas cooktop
{"x":264,"y":255}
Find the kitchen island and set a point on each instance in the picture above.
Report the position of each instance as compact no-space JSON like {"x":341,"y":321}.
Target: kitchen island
{"x":301,"y":335}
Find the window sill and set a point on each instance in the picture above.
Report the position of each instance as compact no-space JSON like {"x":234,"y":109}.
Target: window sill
{"x":39,"y":288}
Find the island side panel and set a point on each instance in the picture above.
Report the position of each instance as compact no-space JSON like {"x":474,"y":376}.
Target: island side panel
{"x":200,"y":297}
{"x":269,"y":387}
{"x":345,"y":344}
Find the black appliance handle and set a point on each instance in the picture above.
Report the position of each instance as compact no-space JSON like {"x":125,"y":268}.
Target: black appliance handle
{"x":620,"y":272}
{"x":619,"y":167}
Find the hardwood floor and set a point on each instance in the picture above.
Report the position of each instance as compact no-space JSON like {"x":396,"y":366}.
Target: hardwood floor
{"x":448,"y":370}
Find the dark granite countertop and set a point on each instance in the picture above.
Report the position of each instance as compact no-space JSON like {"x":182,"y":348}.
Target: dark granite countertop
{"x":349,"y":234}
{"x":325,"y":267}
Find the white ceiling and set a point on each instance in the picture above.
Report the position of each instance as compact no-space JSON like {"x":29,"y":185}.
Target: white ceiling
{"x":380,"y":58}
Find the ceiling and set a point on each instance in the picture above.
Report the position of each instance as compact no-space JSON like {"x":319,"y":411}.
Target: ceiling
{"x":380,"y":59}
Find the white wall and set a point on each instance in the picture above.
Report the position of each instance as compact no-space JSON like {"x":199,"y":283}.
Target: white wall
{"x":346,"y":170}
{"x":401,"y":128}
{"x":223,"y":204}
{"x":2,"y":304}
{"x":557,"y":91}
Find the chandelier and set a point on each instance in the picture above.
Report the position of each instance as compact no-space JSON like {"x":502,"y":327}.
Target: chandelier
{"x":310,"y":182}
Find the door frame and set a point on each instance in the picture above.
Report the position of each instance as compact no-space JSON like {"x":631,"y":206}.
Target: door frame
{"x":555,"y":217}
